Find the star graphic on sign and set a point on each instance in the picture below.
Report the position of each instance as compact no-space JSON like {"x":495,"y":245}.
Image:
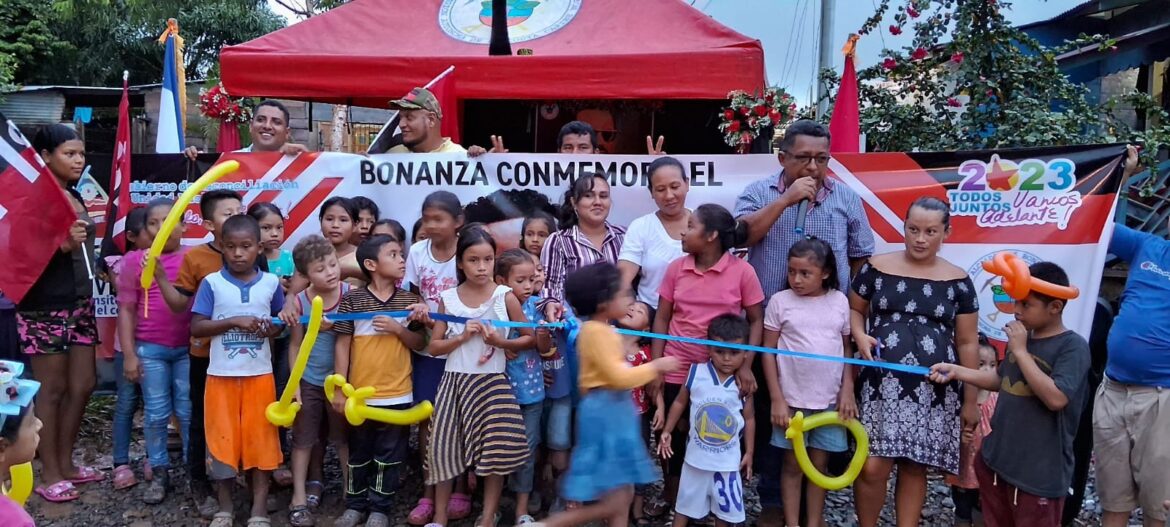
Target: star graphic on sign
{"x":1001,"y":176}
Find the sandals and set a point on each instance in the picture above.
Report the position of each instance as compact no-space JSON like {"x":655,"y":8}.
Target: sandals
{"x":87,"y":475}
{"x":313,"y":499}
{"x":124,"y":477}
{"x":259,"y":521}
{"x":59,"y":492}
{"x":223,"y":519}
{"x":423,"y":512}
{"x":299,"y":516}
{"x":495,"y":520}
{"x":655,"y":508}
{"x":525,"y":520}
{"x":459,"y":506}
{"x":207,"y":508}
{"x":282,"y":476}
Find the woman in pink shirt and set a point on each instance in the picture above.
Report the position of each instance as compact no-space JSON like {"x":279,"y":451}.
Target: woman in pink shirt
{"x":706,"y":282}
{"x":154,"y":344}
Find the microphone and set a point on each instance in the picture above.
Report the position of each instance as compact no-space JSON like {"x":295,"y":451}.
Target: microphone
{"x":801,"y":216}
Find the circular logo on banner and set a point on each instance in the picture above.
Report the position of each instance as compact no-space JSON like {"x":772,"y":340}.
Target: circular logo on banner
{"x":471,"y":20}
{"x":996,"y":308}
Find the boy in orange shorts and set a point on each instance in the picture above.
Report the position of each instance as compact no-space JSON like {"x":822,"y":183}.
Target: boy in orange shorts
{"x":234,"y":308}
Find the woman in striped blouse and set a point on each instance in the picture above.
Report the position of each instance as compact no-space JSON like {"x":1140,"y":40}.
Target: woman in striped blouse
{"x":586,"y":237}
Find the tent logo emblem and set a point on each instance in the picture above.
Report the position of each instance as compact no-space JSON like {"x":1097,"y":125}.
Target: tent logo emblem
{"x":471,"y":20}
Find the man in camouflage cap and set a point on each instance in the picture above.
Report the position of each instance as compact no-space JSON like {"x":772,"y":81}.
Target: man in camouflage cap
{"x":420,"y":118}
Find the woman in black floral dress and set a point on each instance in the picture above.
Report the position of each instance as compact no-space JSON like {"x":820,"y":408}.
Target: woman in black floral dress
{"x":919,"y":310}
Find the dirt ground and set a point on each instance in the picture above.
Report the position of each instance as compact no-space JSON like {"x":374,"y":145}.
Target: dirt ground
{"x":102,"y":506}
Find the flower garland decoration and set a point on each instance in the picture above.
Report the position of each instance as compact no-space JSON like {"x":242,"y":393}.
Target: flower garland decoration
{"x":216,"y":103}
{"x":747,"y":114}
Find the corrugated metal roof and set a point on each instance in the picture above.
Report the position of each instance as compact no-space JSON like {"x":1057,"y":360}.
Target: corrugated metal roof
{"x":34,"y":107}
{"x":25,"y":89}
{"x":1084,"y":8}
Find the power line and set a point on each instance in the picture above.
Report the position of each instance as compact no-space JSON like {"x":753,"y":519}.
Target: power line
{"x":791,"y":74}
{"x":881,"y":30}
{"x":793,"y":40}
{"x":816,"y":52}
{"x":788,"y":52}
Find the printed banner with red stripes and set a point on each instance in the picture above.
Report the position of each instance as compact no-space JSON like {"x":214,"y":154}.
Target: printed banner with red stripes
{"x":1045,"y":204}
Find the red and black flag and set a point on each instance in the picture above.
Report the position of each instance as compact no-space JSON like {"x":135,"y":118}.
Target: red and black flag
{"x":35,"y":215}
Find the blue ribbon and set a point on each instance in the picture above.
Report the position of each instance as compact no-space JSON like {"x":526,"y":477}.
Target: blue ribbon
{"x":572,"y":326}
{"x":349,"y":317}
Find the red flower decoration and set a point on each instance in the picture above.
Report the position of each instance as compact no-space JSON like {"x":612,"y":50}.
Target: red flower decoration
{"x":953,"y":102}
{"x":889,"y":63}
{"x":912,"y":12}
{"x":760,"y":110}
{"x":728,"y":115}
{"x":957,"y":57}
{"x":895,"y":30}
{"x":733,"y":126}
{"x":774,"y":116}
{"x":745,"y":111}
{"x":918,"y":54}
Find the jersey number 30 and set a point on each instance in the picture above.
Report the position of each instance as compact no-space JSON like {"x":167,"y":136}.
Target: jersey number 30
{"x":730,"y":491}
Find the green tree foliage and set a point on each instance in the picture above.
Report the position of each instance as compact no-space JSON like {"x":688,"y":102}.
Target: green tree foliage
{"x":308,"y":8}
{"x":90,"y":42}
{"x":26,"y":38}
{"x":970,"y":80}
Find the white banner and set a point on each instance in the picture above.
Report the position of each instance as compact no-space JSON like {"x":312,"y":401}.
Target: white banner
{"x":500,"y":189}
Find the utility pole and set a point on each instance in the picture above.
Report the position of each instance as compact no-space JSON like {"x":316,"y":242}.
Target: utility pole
{"x":825,"y":58}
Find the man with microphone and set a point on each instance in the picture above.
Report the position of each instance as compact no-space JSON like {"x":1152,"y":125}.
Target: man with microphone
{"x":780,"y":210}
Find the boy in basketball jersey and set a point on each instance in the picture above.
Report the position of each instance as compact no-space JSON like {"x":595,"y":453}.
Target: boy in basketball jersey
{"x":711,"y":481}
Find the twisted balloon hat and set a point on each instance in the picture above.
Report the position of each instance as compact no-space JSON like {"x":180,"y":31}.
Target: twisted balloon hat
{"x":1017,"y":282}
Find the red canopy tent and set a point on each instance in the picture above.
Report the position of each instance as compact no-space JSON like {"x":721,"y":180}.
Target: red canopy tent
{"x":367,"y":52}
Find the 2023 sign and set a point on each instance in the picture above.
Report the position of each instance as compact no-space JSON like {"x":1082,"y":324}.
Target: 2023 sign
{"x":1030,"y":175}
{"x":1002,"y":193}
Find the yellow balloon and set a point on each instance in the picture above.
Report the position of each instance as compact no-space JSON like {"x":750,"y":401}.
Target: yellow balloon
{"x":357,"y":411}
{"x":795,"y":433}
{"x":176,"y":215}
{"x":22,"y":483}
{"x":284,"y":411}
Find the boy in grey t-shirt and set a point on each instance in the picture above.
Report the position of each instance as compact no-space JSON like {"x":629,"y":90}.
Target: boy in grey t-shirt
{"x":1026,"y":465}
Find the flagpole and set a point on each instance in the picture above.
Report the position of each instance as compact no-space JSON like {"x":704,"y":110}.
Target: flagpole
{"x":440,"y":77}
{"x":88,"y":265}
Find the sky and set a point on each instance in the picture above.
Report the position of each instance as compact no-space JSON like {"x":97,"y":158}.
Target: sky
{"x":788,"y":31}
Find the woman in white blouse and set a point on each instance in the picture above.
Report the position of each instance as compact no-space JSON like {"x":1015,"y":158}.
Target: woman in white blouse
{"x":655,"y":240}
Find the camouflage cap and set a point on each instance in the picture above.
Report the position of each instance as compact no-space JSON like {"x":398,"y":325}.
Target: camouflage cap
{"x":419,"y":99}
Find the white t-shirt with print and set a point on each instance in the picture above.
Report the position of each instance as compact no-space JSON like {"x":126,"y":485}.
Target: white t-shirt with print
{"x":431,"y":276}
{"x":239,"y":353}
{"x":649,"y":245}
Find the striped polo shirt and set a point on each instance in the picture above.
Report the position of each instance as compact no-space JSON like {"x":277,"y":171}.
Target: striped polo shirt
{"x":378,"y":359}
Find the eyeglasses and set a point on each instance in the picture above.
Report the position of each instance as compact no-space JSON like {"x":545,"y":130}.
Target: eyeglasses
{"x":820,"y":160}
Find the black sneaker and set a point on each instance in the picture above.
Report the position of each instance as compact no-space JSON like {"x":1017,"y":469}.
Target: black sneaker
{"x":157,"y":491}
